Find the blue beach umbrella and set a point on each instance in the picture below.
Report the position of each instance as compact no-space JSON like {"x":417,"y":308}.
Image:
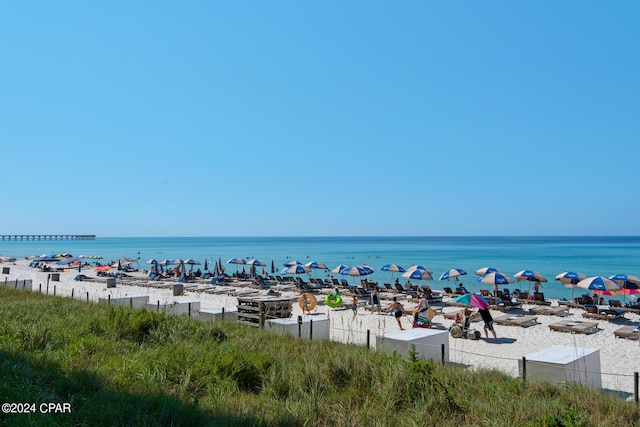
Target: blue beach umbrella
{"x":419,"y":267}
{"x":256,"y":263}
{"x":393,"y":268}
{"x":484,"y":270}
{"x":339,"y":268}
{"x":273,"y":267}
{"x":315,"y":265}
{"x":598,"y":283}
{"x":292,"y":263}
{"x":237,"y":262}
{"x":206,"y":265}
{"x":452,"y":273}
{"x":417,"y":274}
{"x":570,"y":279}
{"x":530,"y":275}
{"x":495,"y":278}
{"x":626,"y":280}
{"x":294,"y":269}
{"x":191,"y":261}
{"x":356,"y":270}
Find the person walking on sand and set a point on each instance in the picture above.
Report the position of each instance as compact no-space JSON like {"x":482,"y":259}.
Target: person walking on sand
{"x":488,"y":322}
{"x":375,"y":301}
{"x":354,"y":306}
{"x":398,"y":311}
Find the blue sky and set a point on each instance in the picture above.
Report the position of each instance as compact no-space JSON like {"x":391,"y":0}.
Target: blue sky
{"x":287,"y":118}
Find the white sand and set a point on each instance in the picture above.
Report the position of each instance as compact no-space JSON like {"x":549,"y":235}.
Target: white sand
{"x":618,"y":357}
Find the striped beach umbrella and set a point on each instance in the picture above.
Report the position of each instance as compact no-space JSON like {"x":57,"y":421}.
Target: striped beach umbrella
{"x":338,"y":268}
{"x":295,"y":269}
{"x":393,"y":268}
{"x":316,"y":265}
{"x":530,"y":275}
{"x":419,"y":267}
{"x":356,"y":270}
{"x":292,"y":263}
{"x":630,"y":284}
{"x":599,"y":283}
{"x":485,"y":270}
{"x":570,"y":277}
{"x":417,"y":274}
{"x":495,"y":278}
{"x":236,"y":261}
{"x":452,"y":273}
{"x":256,"y":263}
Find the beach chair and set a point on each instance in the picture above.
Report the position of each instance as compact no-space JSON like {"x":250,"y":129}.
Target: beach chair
{"x":516,"y":320}
{"x":628,"y":332}
{"x":574,"y":326}
{"x":538,"y":298}
{"x":550,"y":311}
{"x":449,"y":292}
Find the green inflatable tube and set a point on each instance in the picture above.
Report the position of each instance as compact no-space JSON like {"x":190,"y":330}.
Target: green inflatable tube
{"x":333,"y":301}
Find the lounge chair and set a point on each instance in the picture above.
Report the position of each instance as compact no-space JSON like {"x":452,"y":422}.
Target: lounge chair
{"x":507,"y":304}
{"x":538,"y":298}
{"x":518,"y":320}
{"x":628,"y":332}
{"x":449,"y":292}
{"x":574,"y":326}
{"x":550,"y":311}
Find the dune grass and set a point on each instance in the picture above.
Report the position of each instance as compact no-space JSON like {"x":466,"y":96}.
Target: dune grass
{"x":118,"y":366}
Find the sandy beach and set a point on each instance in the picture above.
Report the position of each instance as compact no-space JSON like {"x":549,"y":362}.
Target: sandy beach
{"x":618,"y":356}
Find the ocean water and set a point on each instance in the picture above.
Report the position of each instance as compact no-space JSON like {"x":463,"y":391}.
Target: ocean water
{"x":593,"y":256}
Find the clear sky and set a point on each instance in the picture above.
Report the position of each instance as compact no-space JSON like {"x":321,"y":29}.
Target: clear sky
{"x":328,"y":118}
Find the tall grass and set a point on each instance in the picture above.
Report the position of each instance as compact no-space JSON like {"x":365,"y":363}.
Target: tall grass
{"x":118,"y":366}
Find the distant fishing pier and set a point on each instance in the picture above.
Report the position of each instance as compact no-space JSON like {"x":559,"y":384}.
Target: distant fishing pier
{"x":48,"y":236}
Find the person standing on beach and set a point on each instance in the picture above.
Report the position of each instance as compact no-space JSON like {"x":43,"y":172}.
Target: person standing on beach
{"x":354,"y":306}
{"x":398,"y":311}
{"x":375,"y":300}
{"x":488,"y":322}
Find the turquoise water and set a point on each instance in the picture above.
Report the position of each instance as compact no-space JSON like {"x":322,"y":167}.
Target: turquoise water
{"x":592,"y":256}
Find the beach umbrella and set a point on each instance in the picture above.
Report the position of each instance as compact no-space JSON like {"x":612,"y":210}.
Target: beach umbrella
{"x":256,"y":263}
{"x":166,"y":262}
{"x":605,"y":293}
{"x":356,"y":270}
{"x":473,"y":300}
{"x":294,"y":269}
{"x":103,"y":268}
{"x":598,"y":283}
{"x":417,"y":274}
{"x":315,"y":265}
{"x":626,"y":280}
{"x":419,"y":267}
{"x":495,"y":278}
{"x":452,"y":273}
{"x":237,"y":262}
{"x":530,"y":275}
{"x":150,"y":261}
{"x":191,"y":261}
{"x":337,"y":268}
{"x":485,"y":270}
{"x":570,"y":277}
{"x":206,"y":265}
{"x":292,"y":263}
{"x":393,"y":268}
{"x":273,"y":267}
